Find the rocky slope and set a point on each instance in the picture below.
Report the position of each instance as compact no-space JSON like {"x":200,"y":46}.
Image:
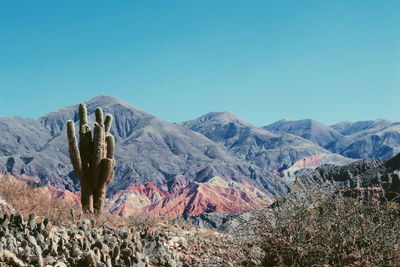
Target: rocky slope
{"x":361,"y":178}
{"x":351,"y":127}
{"x":376,"y":142}
{"x":313,"y":162}
{"x":368,"y":178}
{"x":189,"y":199}
{"x":37,"y":242}
{"x":314,"y":131}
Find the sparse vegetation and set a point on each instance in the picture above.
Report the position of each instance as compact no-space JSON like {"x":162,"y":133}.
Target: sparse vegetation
{"x":314,"y":228}
{"x":26,"y":199}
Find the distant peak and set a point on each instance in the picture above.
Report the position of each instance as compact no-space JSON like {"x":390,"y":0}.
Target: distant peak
{"x":216,"y":114}
{"x":107,"y":102}
{"x":104,"y":97}
{"x":289,"y":121}
{"x":284,"y":120}
{"x":223,"y":116}
{"x":104,"y":100}
{"x":307,"y":121}
{"x":383,"y":120}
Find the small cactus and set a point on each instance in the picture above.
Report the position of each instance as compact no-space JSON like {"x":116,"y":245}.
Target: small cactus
{"x":116,"y":253}
{"x":93,"y":160}
{"x":72,"y":214}
{"x":31,"y":217}
{"x":31,"y":221}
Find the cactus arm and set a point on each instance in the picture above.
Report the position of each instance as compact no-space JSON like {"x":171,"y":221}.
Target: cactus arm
{"x":106,"y":168}
{"x":85,"y":137}
{"x":98,"y":151}
{"x":86,"y":191}
{"x":82,"y":115}
{"x":74,"y":150}
{"x":108,"y":122}
{"x":110,"y":144}
{"x":86,"y":147}
{"x":99,"y":116}
{"x":111,"y":176}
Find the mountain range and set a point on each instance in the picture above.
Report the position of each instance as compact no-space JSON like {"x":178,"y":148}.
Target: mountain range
{"x":214,"y":163}
{"x":362,"y":139}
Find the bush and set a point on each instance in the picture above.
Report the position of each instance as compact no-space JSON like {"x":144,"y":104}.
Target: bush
{"x":26,"y":199}
{"x":310,"y":228}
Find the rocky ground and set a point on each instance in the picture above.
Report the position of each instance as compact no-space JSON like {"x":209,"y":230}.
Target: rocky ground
{"x":46,"y":240}
{"x":35,"y":241}
{"x":59,"y":234}
{"x":38,"y":243}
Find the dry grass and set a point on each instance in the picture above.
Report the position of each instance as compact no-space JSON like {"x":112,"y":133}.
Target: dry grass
{"x":26,"y":199}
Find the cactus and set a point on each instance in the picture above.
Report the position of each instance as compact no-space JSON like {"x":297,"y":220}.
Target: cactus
{"x":72,"y":211}
{"x":93,"y":160}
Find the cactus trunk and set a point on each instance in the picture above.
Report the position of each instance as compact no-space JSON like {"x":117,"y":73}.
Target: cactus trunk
{"x":86,"y":198}
{"x":93,"y":160}
{"x":99,"y":199}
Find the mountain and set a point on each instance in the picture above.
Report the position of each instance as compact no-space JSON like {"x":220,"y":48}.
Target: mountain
{"x":149,"y":150}
{"x":362,"y":139}
{"x":253,"y":144}
{"x":349,"y":127}
{"x":215,"y":163}
{"x":381,"y":141}
{"x":311,"y":130}
{"x":22,"y":145}
{"x":19,"y":135}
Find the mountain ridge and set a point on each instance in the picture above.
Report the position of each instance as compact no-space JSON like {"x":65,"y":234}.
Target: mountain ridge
{"x":138,"y":135}
{"x":361,"y":139}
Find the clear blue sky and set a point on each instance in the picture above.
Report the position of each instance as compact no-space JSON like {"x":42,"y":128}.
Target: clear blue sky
{"x":263,"y":60}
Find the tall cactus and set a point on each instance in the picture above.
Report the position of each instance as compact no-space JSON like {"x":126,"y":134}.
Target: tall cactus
{"x":93,"y":160}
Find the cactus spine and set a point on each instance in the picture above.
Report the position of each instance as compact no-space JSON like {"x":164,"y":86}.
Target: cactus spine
{"x":93,"y":160}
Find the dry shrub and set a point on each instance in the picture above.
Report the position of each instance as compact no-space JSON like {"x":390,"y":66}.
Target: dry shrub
{"x":211,"y":248}
{"x":143,"y":220}
{"x":26,"y":199}
{"x":313,"y":228}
